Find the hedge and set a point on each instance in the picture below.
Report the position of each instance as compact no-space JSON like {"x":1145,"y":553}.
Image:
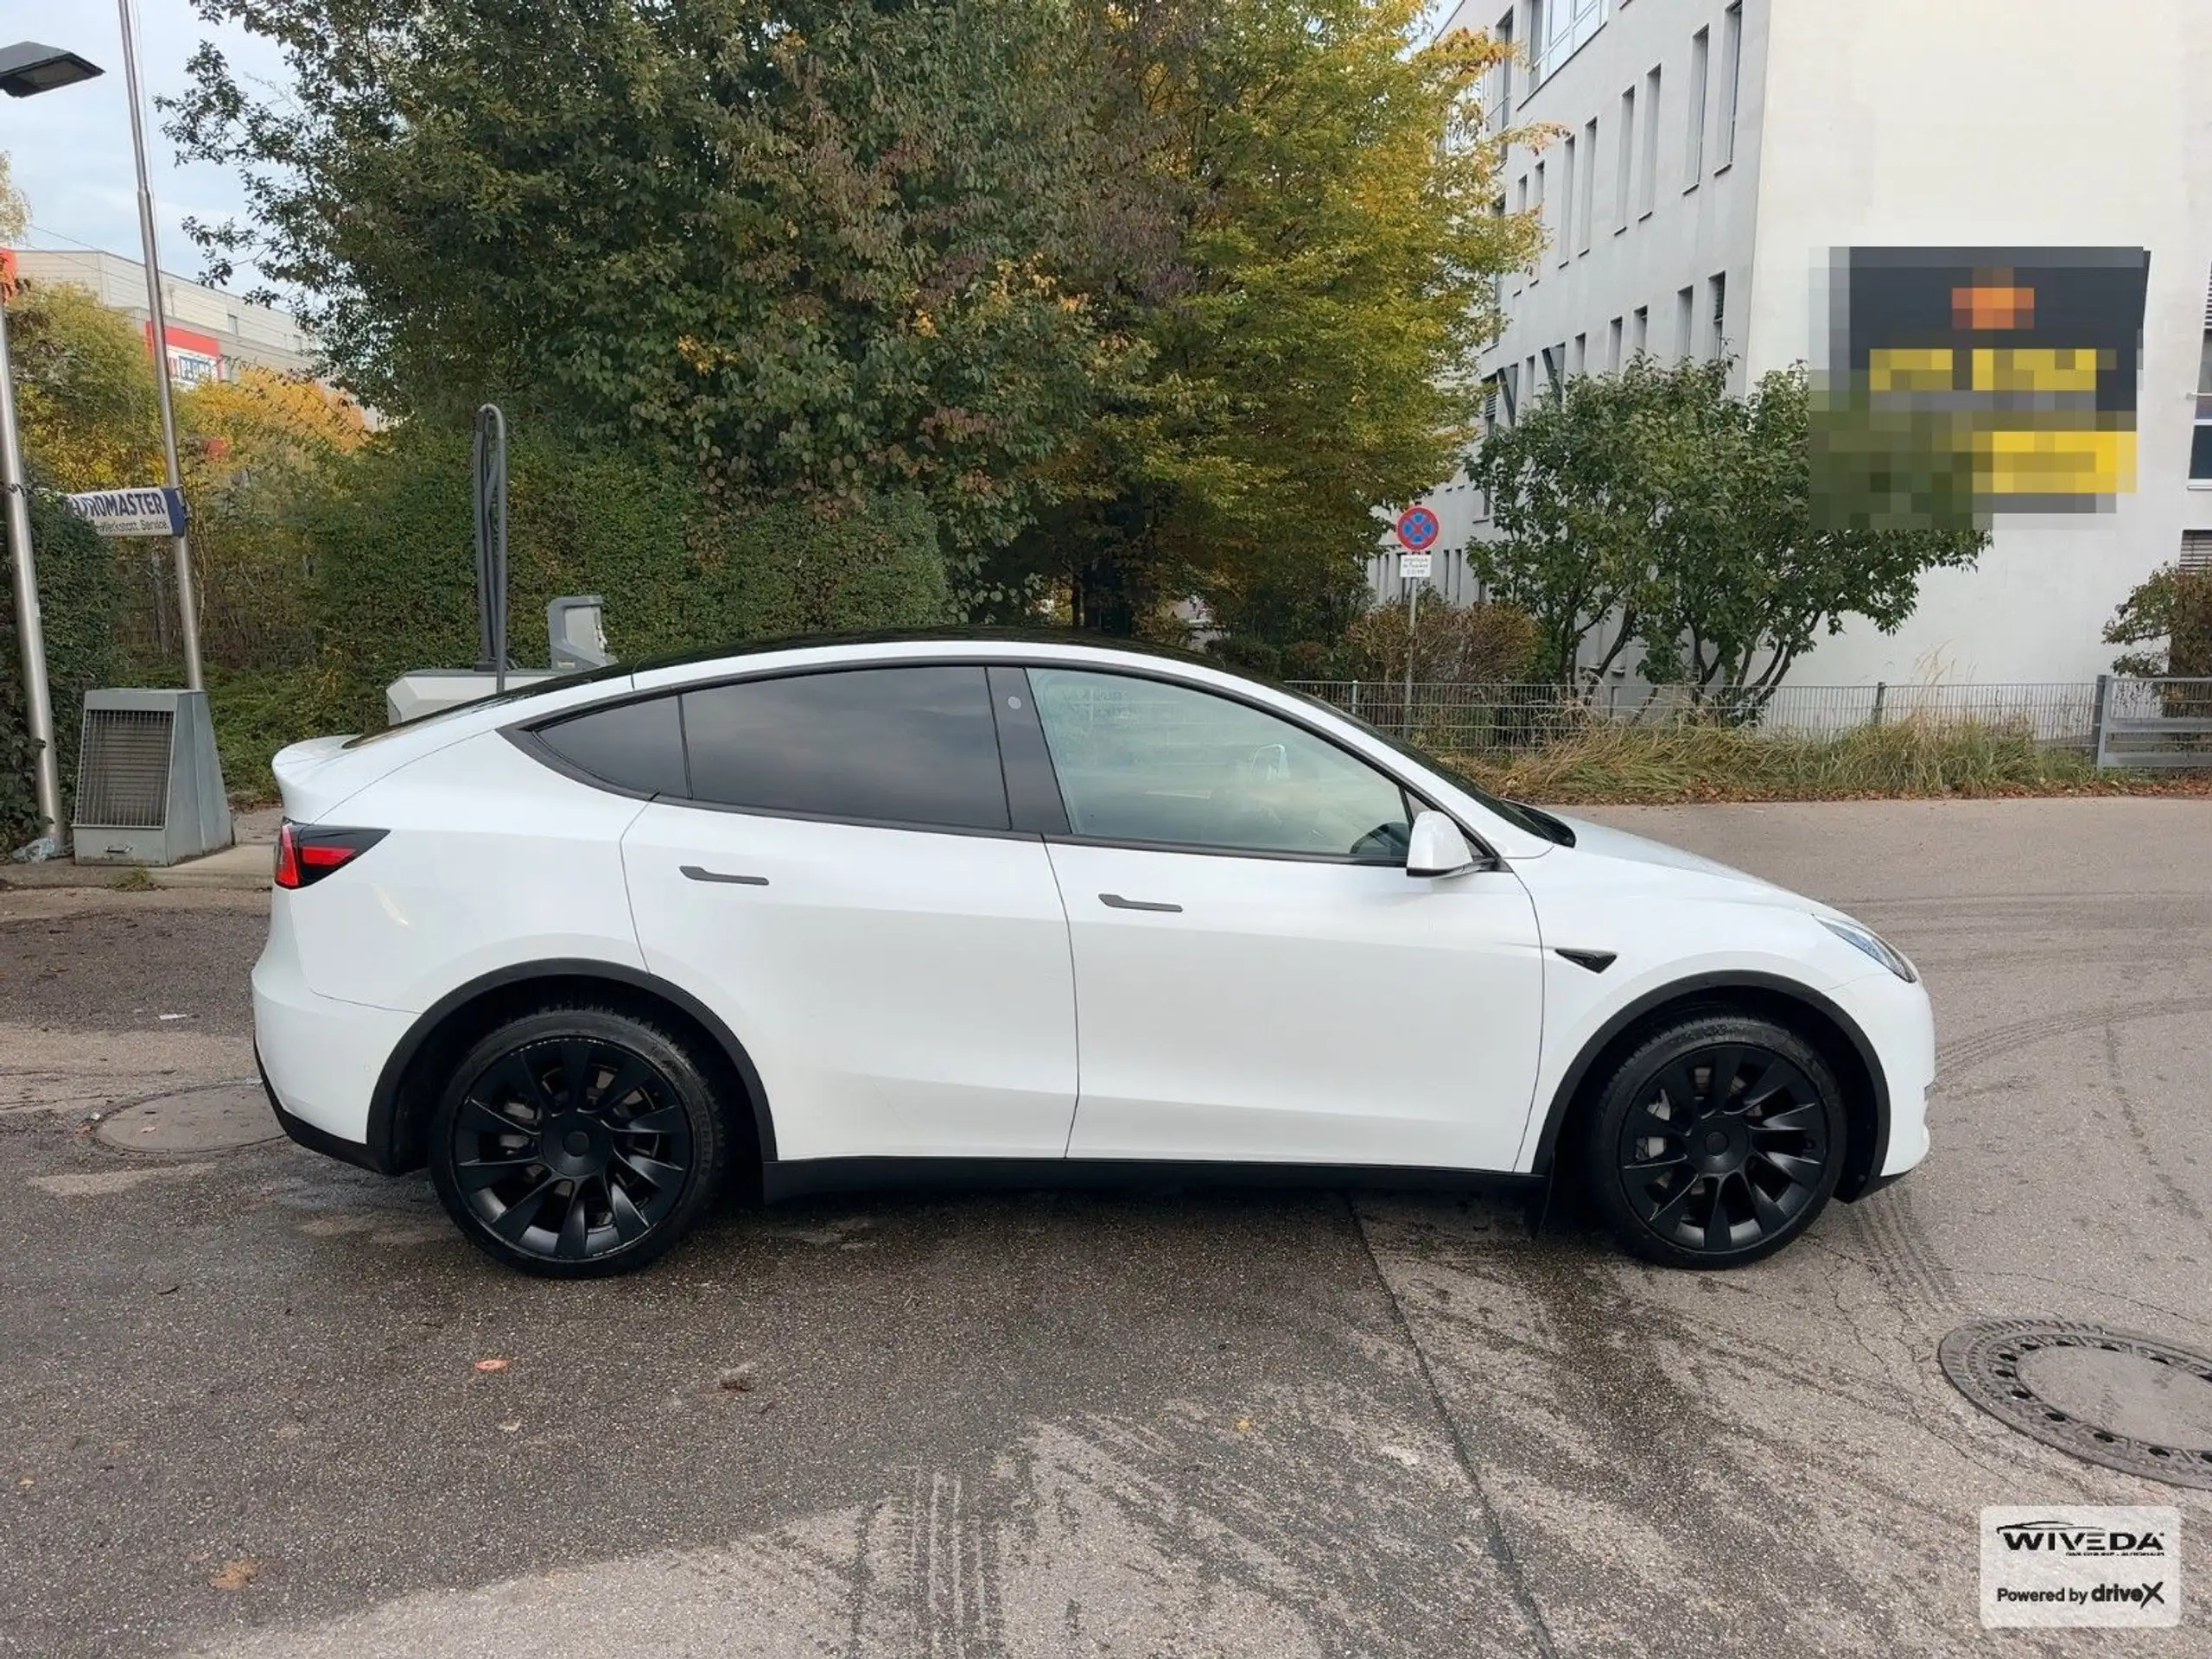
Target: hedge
{"x":394,"y":584}
{"x":78,"y":590}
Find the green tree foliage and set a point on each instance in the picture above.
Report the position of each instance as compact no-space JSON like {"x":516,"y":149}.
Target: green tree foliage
{"x":1184,"y":288}
{"x":1653,"y":509}
{"x":394,"y":566}
{"x":77,"y":586}
{"x":2170,"y":609}
{"x":803,"y":248}
{"x":1298,"y":228}
{"x":84,"y":390}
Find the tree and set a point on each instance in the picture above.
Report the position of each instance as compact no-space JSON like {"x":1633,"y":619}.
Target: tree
{"x":804,"y":248}
{"x":15,"y":210}
{"x":263,"y":420}
{"x":2171,"y":608}
{"x":1300,"y":227}
{"x":84,"y":390}
{"x":1653,"y":508}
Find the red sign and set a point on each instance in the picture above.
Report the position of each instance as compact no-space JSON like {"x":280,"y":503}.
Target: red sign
{"x":1418,"y":529}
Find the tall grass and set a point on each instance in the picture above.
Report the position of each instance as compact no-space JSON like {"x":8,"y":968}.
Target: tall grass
{"x":1700,"y":762}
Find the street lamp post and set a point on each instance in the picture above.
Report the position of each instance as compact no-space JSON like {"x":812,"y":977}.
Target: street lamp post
{"x":187,"y":602}
{"x":25,"y":69}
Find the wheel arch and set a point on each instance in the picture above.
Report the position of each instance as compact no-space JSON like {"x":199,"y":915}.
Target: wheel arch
{"x":1816,"y":1017}
{"x":400,"y":1108}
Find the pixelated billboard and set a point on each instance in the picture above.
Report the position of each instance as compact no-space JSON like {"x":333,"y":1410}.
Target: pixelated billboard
{"x":1960,"y":383}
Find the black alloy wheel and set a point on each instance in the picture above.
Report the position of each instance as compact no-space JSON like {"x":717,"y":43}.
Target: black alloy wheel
{"x":575,"y":1142}
{"x":1715,"y":1143}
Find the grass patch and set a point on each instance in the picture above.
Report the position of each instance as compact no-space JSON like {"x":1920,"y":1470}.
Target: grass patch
{"x":1658,"y":765}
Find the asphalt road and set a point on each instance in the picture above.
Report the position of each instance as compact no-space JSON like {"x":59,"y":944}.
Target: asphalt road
{"x":240,"y":1411}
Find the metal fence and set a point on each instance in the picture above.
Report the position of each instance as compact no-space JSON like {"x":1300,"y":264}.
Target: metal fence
{"x":2153,"y":722}
{"x":1495,"y":719}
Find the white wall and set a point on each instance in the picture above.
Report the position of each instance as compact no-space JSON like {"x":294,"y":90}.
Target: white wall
{"x":2000,"y":123}
{"x":1928,"y":122}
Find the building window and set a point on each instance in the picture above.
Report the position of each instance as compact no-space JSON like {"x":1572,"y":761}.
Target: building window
{"x":2200,"y":445}
{"x":1558,"y":29}
{"x":1567,"y":183}
{"x":1581,"y":358}
{"x":2196,"y":550}
{"x":1498,"y":110}
{"x":1685,"y":309}
{"x":1613,"y":346}
{"x":1650,"y":195}
{"x":1693,"y":150}
{"x":1536,"y":206}
{"x":1589,"y":185}
{"x":1731,"y":76}
{"x":1554,"y":368}
{"x":1639,"y":338}
{"x":1625,"y":167}
{"x":1717,"y":287}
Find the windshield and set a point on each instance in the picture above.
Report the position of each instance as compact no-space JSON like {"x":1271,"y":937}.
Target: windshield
{"x":1533,"y":820}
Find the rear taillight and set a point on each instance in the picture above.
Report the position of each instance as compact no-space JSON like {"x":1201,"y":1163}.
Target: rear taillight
{"x":308,"y":852}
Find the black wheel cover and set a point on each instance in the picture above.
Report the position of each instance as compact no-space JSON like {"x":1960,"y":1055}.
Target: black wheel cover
{"x":570,"y":1147}
{"x":1723,"y":1147}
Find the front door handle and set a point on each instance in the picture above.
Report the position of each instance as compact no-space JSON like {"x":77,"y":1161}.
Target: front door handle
{"x":697,"y":873}
{"x":1114,"y":901}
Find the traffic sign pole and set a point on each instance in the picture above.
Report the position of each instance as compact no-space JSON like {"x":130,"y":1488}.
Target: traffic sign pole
{"x":1418,"y":528}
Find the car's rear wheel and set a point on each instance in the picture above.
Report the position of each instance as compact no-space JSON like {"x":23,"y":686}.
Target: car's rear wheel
{"x":1714,"y":1142}
{"x":577,"y":1141}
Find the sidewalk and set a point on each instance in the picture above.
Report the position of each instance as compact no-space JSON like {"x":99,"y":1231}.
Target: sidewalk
{"x":245,"y":865}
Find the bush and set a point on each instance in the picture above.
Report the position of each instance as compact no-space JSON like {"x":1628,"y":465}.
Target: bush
{"x":2173,"y":606}
{"x":394,"y":586}
{"x":1453,"y":644}
{"x":79,"y":592}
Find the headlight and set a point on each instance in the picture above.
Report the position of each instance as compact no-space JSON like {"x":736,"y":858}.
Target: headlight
{"x":1872,"y":943}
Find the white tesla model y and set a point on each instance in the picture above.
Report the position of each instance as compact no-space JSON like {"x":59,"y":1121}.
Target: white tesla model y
{"x":989,"y":908}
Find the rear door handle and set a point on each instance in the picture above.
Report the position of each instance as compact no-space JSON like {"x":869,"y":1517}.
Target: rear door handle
{"x":1115,"y":901}
{"x":698,"y":873}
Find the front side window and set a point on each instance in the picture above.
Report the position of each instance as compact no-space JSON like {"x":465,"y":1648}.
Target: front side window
{"x":901,"y":745}
{"x":1140,"y":760}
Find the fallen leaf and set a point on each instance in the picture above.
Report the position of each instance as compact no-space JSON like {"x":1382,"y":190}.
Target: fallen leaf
{"x":28,"y":1480}
{"x":166,"y":1289}
{"x":491,"y":1364}
{"x":738,"y":1380}
{"x":1243,"y":1424}
{"x":235,"y":1575}
{"x":511,"y":1425}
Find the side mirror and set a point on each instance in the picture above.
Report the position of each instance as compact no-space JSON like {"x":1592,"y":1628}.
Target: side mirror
{"x":1438,"y":847}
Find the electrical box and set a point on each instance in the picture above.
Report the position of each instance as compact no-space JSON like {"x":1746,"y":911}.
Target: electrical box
{"x":149,"y":786}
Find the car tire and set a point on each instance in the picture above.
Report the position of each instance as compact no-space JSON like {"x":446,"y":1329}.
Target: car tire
{"x":577,"y":1142}
{"x":1714,"y":1142}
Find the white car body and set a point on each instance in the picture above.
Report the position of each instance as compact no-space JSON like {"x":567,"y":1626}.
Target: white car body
{"x":892,"y":997}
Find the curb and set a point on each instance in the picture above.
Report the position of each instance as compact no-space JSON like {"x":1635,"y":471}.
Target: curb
{"x":244,"y":869}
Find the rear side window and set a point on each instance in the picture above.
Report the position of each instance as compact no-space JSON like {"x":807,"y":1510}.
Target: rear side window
{"x":633,"y":746}
{"x":912,"y":746}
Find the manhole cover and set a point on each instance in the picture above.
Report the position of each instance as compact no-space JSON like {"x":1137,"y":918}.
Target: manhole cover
{"x":2127,"y":1401}
{"x":199,"y":1120}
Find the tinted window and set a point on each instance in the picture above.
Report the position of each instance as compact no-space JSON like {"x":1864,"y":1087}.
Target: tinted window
{"x":638,"y":745}
{"x":901,"y":745}
{"x":1140,"y":760}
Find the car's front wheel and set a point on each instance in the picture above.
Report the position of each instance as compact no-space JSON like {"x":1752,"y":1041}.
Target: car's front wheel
{"x":1714,"y":1142}
{"x":576,"y":1141}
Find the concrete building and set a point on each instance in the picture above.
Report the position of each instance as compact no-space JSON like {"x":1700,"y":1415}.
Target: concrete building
{"x":212,"y":334}
{"x":1717,"y":159}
